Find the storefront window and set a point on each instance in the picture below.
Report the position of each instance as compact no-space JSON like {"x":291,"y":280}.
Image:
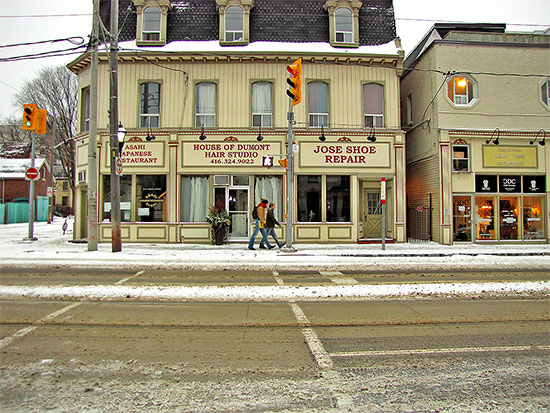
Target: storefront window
{"x":485,"y":218}
{"x":194,"y":199}
{"x":125,"y":198}
{"x":270,"y":187}
{"x":461,"y":160}
{"x":533,"y":213}
{"x":462,"y":218}
{"x":309,"y":198}
{"x":509,"y":211}
{"x":338,"y":199}
{"x":151,"y":198}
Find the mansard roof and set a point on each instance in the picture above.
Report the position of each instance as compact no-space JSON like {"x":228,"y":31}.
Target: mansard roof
{"x":301,"y":21}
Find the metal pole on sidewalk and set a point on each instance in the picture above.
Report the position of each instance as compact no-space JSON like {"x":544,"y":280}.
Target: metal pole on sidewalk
{"x":116,"y":231}
{"x":31,"y":193}
{"x":92,"y":137}
{"x":289,"y":182}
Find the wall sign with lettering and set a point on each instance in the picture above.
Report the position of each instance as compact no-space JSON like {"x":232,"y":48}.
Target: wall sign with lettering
{"x":340,"y":154}
{"x":510,"y":184}
{"x":227,"y":153}
{"x":535,"y":184}
{"x":486,"y":183}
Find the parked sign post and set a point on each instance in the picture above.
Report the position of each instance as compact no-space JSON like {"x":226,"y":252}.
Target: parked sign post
{"x":383,"y":201}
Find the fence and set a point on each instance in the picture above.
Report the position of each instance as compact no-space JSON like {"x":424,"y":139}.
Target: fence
{"x":419,"y":224}
{"x":17,"y":212}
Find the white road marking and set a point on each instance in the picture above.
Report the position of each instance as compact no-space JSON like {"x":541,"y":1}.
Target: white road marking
{"x":22,"y":333}
{"x":430,"y":351}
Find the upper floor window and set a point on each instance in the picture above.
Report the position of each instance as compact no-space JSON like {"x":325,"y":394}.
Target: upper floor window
{"x":461,"y":158}
{"x":151,"y":21}
{"x":205,"y":104}
{"x":151,"y":24}
{"x":85,"y":110}
{"x":150,"y":105}
{"x":343,"y":22}
{"x":262,"y":104}
{"x":234,"y":24}
{"x":318,"y":104}
{"x":373,"y":104}
{"x":545,"y":92}
{"x":461,"y":90}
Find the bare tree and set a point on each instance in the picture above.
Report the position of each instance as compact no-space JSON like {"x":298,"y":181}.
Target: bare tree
{"x":56,"y":90}
{"x":14,"y":142}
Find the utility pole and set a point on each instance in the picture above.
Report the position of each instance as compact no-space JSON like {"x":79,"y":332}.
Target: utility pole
{"x":289,"y":181}
{"x":116,"y":230}
{"x":92,"y":137}
{"x":31,"y":193}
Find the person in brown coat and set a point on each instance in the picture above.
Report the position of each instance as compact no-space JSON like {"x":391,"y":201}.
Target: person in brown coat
{"x":270,"y":222}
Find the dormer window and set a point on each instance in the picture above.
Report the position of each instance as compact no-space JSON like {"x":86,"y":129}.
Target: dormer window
{"x":234,"y":21}
{"x":343,"y":22}
{"x":234,"y":24}
{"x":151,"y":22}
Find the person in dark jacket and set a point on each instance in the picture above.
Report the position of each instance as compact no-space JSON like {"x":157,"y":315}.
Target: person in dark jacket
{"x":259,"y":226}
{"x":270,"y":222}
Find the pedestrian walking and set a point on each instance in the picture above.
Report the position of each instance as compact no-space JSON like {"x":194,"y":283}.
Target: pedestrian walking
{"x":259,"y":226}
{"x":270,"y":222}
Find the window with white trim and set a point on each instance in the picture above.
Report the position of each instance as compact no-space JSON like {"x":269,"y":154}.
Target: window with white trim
{"x":149,"y":105}
{"x":151,"y":24}
{"x":262,"y":104}
{"x":343,"y":23}
{"x":545,"y":92}
{"x":373,"y":104}
{"x":318,"y":104}
{"x":234,"y":24}
{"x":205,"y":104}
{"x":461,"y":90}
{"x":461,"y":158}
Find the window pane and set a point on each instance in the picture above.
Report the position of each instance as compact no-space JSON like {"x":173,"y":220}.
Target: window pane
{"x":234,"y":19}
{"x":373,"y":95}
{"x":125,"y":198}
{"x":509,"y":218}
{"x":205,"y":106}
{"x":545,"y":91}
{"x":318,"y":97}
{"x":151,"y":198}
{"x":151,"y":19}
{"x":150,"y":98}
{"x":270,"y":187}
{"x":461,"y":161}
{"x":533,"y":218}
{"x":338,"y":199}
{"x":261,"y":103}
{"x":309,"y":198}
{"x":343,"y":25}
{"x":194,"y":199}
{"x":462,"y":218}
{"x":485,"y":218}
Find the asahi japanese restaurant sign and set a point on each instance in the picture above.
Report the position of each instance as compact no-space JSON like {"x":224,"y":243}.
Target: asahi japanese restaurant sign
{"x":141,"y":153}
{"x":345,"y":154}
{"x":509,"y":157}
{"x":227,"y":153}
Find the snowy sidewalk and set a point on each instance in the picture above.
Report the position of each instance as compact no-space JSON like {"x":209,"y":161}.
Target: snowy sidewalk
{"x":54,"y":249}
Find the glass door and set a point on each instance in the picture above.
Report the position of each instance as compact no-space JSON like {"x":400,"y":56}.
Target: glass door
{"x":509,"y":210}
{"x":237,"y":201}
{"x":462,"y":218}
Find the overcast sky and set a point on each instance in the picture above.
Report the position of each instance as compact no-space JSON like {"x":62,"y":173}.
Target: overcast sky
{"x":39,"y":20}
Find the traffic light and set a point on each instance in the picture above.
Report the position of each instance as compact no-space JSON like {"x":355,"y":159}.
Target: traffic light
{"x":283,"y":162}
{"x":29,"y":116}
{"x":295,"y":81}
{"x":40,"y":121}
{"x":267,"y":161}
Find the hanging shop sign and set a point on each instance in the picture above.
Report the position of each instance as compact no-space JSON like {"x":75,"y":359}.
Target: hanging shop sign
{"x":345,"y":154}
{"x":509,"y":157}
{"x":535,"y":184}
{"x":227,"y":153}
{"x":509,"y":184}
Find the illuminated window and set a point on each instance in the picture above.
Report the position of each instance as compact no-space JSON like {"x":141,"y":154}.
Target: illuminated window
{"x":461,"y":90}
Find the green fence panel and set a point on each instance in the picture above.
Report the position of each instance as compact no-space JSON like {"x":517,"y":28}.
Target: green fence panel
{"x":17,"y":212}
{"x":42,"y":208}
{"x":2,"y":213}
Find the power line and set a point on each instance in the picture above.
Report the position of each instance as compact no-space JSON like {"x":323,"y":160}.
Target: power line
{"x":40,"y":16}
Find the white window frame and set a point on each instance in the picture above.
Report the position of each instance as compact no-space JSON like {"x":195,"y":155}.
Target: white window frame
{"x":318,"y":119}
{"x":346,"y":36}
{"x":146,"y":117}
{"x":151,"y":35}
{"x":373,"y":119}
{"x":265,"y":118}
{"x":205,"y":119}
{"x":234,"y":35}
{"x":462,"y":99}
{"x":458,"y":160}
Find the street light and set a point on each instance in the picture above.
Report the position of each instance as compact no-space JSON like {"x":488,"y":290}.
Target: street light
{"x":120,"y":135}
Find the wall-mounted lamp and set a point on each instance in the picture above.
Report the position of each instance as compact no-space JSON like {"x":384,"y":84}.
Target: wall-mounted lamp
{"x":120,"y":135}
{"x":542,"y":140}
{"x":202,"y":135}
{"x":494,"y":138}
{"x":150,"y":137}
{"x":322,"y":138}
{"x":260,"y":137}
{"x":372,"y":136}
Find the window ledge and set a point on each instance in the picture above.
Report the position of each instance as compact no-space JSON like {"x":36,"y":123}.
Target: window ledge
{"x":150,"y":43}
